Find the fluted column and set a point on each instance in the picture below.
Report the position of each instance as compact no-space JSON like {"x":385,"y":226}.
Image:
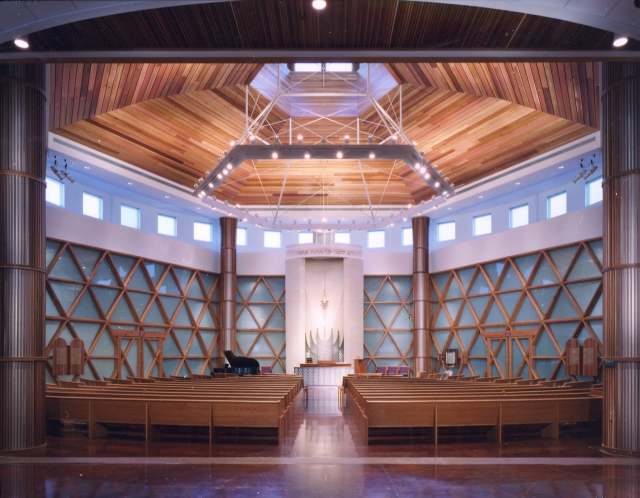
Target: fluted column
{"x":421,"y":292}
{"x":621,"y":272}
{"x":22,"y":256}
{"x":228,"y":228}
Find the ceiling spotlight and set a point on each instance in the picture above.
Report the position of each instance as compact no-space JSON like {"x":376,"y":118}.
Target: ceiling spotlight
{"x":319,"y":4}
{"x":307,"y":155}
{"x":517,"y":183}
{"x":225,"y":172}
{"x":346,"y":139}
{"x":232,"y":143}
{"x":244,"y":219}
{"x":87,"y":167}
{"x":211,"y":185}
{"x":252,"y":139}
{"x":415,"y":144}
{"x":620,"y":40}
{"x":129,"y":183}
{"x":427,"y":176}
{"x":219,"y":176}
{"x":560,"y":167}
{"x":229,"y":166}
{"x":370,"y":139}
{"x":21,"y":42}
{"x":324,"y":220}
{"x":409,"y":206}
{"x":416,"y":166}
{"x":404,"y":219}
{"x":339,"y":154}
{"x":299,"y":139}
{"x":201,"y":194}
{"x":394,"y":139}
{"x":436,"y":185}
{"x":274,"y":155}
{"x":372,"y":155}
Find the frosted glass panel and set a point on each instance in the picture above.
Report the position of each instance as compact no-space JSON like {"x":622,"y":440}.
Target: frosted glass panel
{"x":544,"y":296}
{"x":441,"y":281}
{"x":509,"y":301}
{"x":454,"y":289}
{"x":402,"y":321}
{"x":467,"y":317}
{"x":51,"y":309}
{"x":480,"y":366}
{"x":277,"y":285}
{"x":245,"y":340}
{"x":183,"y":336}
{"x":261,"y":312}
{"x":387,"y":348}
{"x":196,"y":348}
{"x":138,"y":280}
{"x":207,"y":319}
{"x":452,"y":308}
{"x":167,"y":225}
{"x":66,"y":268}
{"x":510,"y":280}
{"x":182,"y":317}
{"x":169,"y":285}
{"x":261,"y":294}
{"x":170,"y":305}
{"x":66,"y":292}
{"x":183,"y":277}
{"x":494,"y":270}
{"x":562,"y":258}
{"x":155,"y":271}
{"x":122,"y":312}
{"x":465,"y":337}
{"x":544,"y":346}
{"x":527,"y":311}
{"x":525,"y":264}
{"x":87,"y":258}
{"x":482,"y":224}
{"x":495,"y":315}
{"x":480,"y":285}
{"x":170,"y":366}
{"x":104,"y":367}
{"x":104,"y":275}
{"x":372,"y":321}
{"x":583,"y":292}
{"x":403,"y":339}
{"x":245,"y":321}
{"x":442,"y":338}
{"x":86,"y":308}
{"x":261,"y":348}
{"x":105,"y":297}
{"x":51,"y":328}
{"x":277,"y":340}
{"x":465,"y":277}
{"x":104,"y":346}
{"x":196,"y":308}
{"x":372,"y":284}
{"x":563,"y":307}
{"x":584,"y":267}
{"x":403,"y":284}
{"x":441,"y":319}
{"x":195,"y":290}
{"x":277,"y":320}
{"x":154,"y":315}
{"x":207,"y":338}
{"x":245,"y":285}
{"x":596,"y":247}
{"x":596,"y":325}
{"x":387,"y":293}
{"x":51,"y":250}
{"x":479,"y":348}
{"x":545,"y":274}
{"x":545,"y":368}
{"x":123,"y":264}
{"x":169,"y":348}
{"x":563,"y":332}
{"x":140,"y":301}
{"x":372,"y":339}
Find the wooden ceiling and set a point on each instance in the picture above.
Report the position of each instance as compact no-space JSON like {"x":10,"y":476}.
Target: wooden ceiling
{"x":282,"y":24}
{"x":471,"y":120}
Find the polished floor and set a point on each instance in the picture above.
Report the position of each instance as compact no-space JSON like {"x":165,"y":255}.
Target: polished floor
{"x":322,"y":455}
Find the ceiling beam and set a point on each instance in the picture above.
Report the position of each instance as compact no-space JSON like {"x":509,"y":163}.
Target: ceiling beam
{"x":347,"y":55}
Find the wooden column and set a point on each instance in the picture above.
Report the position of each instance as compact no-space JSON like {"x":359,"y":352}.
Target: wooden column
{"x":22,"y":256}
{"x":227,"y":341}
{"x":621,"y":271}
{"x":421,"y":292}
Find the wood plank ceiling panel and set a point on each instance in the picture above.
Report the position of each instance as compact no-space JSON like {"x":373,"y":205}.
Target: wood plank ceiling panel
{"x":80,"y":91}
{"x":469,"y":137}
{"x":564,"y":89}
{"x":290,"y":24}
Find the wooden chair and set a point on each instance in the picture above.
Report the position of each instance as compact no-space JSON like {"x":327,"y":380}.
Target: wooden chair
{"x":381,"y":370}
{"x":392,"y":370}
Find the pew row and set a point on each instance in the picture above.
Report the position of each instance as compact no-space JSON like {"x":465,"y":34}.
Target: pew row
{"x":221,"y":407}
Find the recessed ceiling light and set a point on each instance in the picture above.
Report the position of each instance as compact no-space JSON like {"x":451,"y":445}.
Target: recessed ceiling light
{"x":480,"y":196}
{"x":620,"y":40}
{"x":198,"y":209}
{"x":166,"y":196}
{"x":129,"y":183}
{"x":21,"y":42}
{"x":372,"y":155}
{"x":449,"y":209}
{"x":517,"y":183}
{"x":274,"y":155}
{"x":560,"y":167}
{"x":339,"y":154}
{"x":86,"y":167}
{"x":307,"y":155}
{"x":319,"y":4}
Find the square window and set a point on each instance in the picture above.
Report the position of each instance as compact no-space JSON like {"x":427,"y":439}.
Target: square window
{"x":407,"y":236}
{"x":305,"y":238}
{"x":447,"y":231}
{"x":129,"y":216}
{"x":92,"y":205}
{"x":556,"y":205}
{"x":167,"y":225}
{"x":482,"y":224}
{"x":339,"y":67}
{"x":241,"y":237}
{"x":375,"y":239}
{"x":55,"y":192}
{"x":272,"y":239}
{"x":307,"y":67}
{"x":202,"y":231}
{"x":593,"y":191}
{"x":342,"y":238}
{"x":519,"y":216}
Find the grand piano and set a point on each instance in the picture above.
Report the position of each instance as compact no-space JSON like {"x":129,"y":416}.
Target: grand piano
{"x":239,"y":365}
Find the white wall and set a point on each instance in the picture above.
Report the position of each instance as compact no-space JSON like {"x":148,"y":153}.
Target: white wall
{"x":565,"y":229}
{"x":73,"y":227}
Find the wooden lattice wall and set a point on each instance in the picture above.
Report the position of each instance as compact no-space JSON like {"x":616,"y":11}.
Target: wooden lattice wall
{"x":137,"y":317}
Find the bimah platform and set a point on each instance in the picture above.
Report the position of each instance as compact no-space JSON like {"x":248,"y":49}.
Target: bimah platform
{"x":323,"y":373}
